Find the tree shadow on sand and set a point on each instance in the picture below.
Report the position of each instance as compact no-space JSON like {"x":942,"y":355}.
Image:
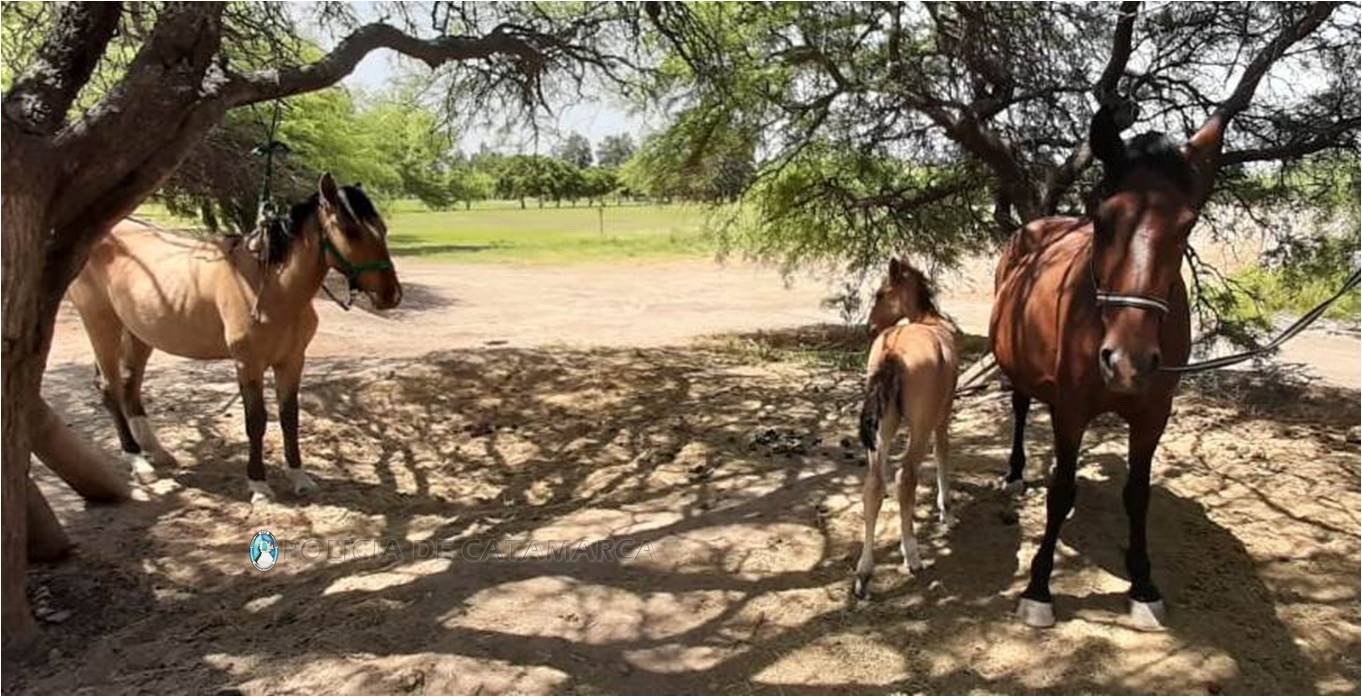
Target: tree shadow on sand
{"x":645,"y":540}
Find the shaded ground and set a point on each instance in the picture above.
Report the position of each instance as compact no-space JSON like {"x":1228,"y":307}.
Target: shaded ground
{"x":646,"y":518}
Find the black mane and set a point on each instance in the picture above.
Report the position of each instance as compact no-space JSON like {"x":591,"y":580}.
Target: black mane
{"x":1152,"y":151}
{"x":285,"y":230}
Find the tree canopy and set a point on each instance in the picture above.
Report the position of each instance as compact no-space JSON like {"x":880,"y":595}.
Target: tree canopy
{"x":928,"y":127}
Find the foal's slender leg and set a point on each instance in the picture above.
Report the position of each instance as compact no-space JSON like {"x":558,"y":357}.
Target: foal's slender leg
{"x":943,"y":472}
{"x":287,"y":377}
{"x":872,"y":495}
{"x":907,"y":486}
{"x":1146,"y":608}
{"x":251,"y":381}
{"x":1036,"y":608}
{"x":136,"y":353}
{"x":1016,"y":464}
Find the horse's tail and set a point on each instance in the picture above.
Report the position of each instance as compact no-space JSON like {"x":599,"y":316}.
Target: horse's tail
{"x":882,"y":392}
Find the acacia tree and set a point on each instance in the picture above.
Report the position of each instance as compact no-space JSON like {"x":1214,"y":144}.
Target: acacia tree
{"x":938,"y":127}
{"x":110,"y":100}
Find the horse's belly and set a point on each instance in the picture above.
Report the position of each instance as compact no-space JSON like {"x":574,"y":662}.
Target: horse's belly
{"x":178,"y":323}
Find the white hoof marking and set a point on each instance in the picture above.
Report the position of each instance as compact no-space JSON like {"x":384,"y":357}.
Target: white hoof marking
{"x":1034,"y":613}
{"x":146,"y":438}
{"x":1150,"y":617}
{"x":302,"y":483}
{"x":260,"y":492}
{"x":142,"y":470}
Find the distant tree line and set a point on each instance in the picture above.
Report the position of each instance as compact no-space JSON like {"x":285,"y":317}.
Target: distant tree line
{"x":400,"y":149}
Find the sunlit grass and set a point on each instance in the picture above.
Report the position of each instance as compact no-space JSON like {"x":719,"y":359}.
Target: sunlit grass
{"x":501,"y":231}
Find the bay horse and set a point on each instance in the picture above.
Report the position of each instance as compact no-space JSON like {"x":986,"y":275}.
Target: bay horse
{"x":142,"y":290}
{"x":1086,"y":311}
{"x":910,"y":381}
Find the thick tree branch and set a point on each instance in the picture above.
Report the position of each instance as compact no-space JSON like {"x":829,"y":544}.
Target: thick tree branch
{"x":270,"y":84}
{"x":1253,"y":74}
{"x":39,"y":99}
{"x":1062,"y":178}
{"x":1120,"y":52}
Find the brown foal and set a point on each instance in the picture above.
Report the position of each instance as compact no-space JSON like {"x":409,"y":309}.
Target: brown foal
{"x":910,"y":381}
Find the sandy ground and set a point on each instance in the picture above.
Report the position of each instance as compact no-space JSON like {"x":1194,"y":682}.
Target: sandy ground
{"x":532,"y":482}
{"x":457,"y":306}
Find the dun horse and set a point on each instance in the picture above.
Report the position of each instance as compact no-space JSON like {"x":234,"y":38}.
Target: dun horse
{"x":141,"y":291}
{"x":1086,"y":312}
{"x":910,"y":381}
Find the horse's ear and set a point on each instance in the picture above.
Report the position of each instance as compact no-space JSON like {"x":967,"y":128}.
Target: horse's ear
{"x":1202,"y":151}
{"x":330,"y":193}
{"x":895,"y":268}
{"x":1104,"y":136}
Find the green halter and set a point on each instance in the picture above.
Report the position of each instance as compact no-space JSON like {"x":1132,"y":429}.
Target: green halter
{"x":349,"y":269}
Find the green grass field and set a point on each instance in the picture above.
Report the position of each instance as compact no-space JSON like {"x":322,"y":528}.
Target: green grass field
{"x":500,"y":231}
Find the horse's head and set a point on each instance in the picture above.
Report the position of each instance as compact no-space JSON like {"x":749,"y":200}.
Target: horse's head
{"x":904,"y":293}
{"x":1150,"y":196}
{"x":355,"y":241}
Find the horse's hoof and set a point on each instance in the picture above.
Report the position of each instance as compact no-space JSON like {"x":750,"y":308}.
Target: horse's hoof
{"x":260,"y":492}
{"x":948,"y":520}
{"x":860,"y":587}
{"x":142,"y":470}
{"x":162,"y":458}
{"x":1149,"y":617}
{"x":1034,"y":613}
{"x":302,"y":483}
{"x":1014,"y":487}
{"x":912,"y":558}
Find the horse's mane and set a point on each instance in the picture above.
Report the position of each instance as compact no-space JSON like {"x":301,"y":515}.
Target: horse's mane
{"x":926,"y":294}
{"x":285,"y":231}
{"x":1153,"y":151}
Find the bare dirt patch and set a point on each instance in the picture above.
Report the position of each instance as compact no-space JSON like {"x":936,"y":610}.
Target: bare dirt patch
{"x":644,"y":518}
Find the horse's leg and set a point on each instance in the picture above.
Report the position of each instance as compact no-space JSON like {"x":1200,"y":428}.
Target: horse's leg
{"x":943,"y":472}
{"x":136,"y":353}
{"x":1146,"y":604}
{"x":907,"y":490}
{"x":251,"y":380}
{"x":872,"y":496}
{"x":106,"y":340}
{"x":287,"y":377}
{"x":1016,"y":464}
{"x":1036,"y":607}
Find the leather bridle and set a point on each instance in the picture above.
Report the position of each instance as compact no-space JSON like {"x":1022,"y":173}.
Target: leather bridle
{"x":1108,"y":298}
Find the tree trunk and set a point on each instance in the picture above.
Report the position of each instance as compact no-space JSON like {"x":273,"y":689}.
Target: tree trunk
{"x":27,"y":337}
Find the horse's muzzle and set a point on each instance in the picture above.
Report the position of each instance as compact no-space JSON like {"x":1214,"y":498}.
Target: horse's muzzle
{"x":387,"y":297}
{"x":1127,"y":372}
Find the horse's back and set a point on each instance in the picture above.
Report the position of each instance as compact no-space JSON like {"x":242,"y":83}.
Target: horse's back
{"x":928,"y":354}
{"x":162,"y":288}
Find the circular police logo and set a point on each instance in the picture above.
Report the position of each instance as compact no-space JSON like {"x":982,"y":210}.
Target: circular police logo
{"x":264,"y":551}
